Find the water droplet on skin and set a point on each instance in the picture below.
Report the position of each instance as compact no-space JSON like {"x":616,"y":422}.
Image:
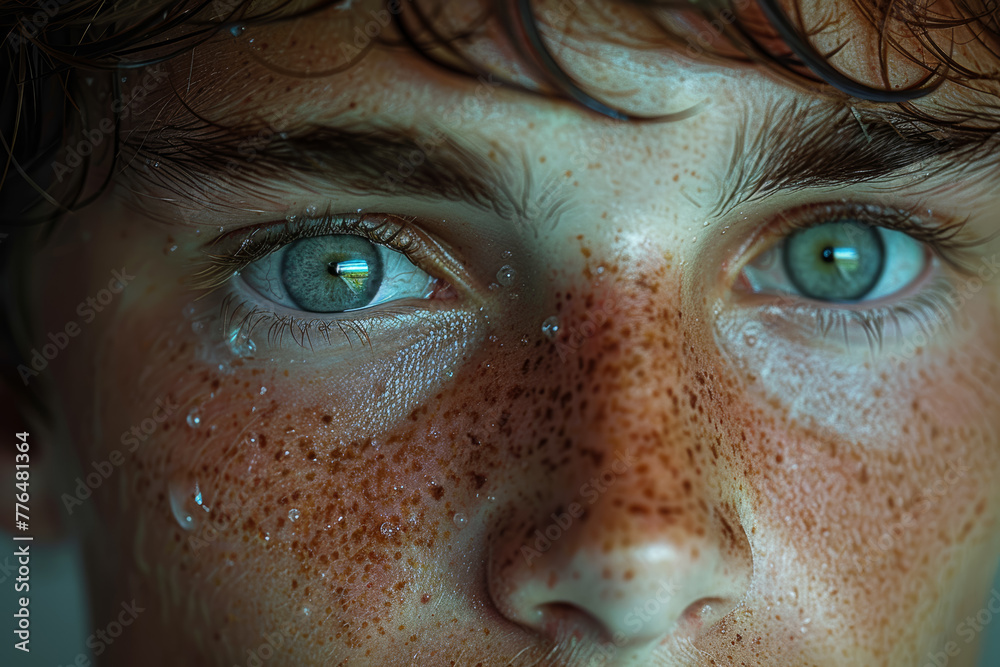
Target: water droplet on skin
{"x":237,"y":30}
{"x":291,"y":218}
{"x":194,"y":418}
{"x":507,"y":254}
{"x":189,"y":311}
{"x":197,"y":326}
{"x":491,"y":499}
{"x":550,"y":327}
{"x":388,"y":529}
{"x":310,"y":210}
{"x":506,"y":275}
{"x":263,"y":390}
{"x":293,"y":514}
{"x":460,"y":520}
{"x":305,"y":610}
{"x":186,"y":503}
{"x":241,"y":344}
{"x":749,"y":339}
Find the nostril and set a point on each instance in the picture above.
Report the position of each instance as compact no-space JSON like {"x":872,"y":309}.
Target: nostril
{"x":565,"y":620}
{"x":703,"y":613}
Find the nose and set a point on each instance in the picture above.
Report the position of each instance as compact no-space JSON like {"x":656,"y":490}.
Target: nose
{"x":628,"y":529}
{"x":570,"y":577}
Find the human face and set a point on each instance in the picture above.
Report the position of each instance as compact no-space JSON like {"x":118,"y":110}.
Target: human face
{"x":595,"y":434}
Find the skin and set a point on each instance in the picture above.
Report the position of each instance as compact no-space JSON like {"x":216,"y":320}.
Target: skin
{"x":715,"y":483}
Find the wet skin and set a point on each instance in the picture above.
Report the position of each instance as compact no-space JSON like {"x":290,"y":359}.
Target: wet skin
{"x":681,"y":473}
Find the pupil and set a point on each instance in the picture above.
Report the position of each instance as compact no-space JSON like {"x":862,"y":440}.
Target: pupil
{"x":828,"y":255}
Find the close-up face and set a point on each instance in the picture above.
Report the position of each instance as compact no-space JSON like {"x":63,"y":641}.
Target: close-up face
{"x":382,"y":362}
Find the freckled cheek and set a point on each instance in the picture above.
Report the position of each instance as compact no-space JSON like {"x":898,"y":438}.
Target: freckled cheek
{"x":336,"y":476}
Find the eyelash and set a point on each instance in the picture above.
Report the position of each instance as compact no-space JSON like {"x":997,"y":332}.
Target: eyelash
{"x":946,"y":240}
{"x":243,"y":318}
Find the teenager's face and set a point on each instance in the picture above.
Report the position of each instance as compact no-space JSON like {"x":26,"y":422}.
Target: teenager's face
{"x":601,"y":409}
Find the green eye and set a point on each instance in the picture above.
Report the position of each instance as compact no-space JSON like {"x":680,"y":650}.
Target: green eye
{"x":332,"y":273}
{"x":843,"y":261}
{"x":836,"y":261}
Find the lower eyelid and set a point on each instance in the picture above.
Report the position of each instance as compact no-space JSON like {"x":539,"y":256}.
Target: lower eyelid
{"x":275,"y":326}
{"x":913,"y":320}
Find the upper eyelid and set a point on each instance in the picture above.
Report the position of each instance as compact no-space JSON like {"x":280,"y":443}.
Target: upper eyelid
{"x":949,"y":237}
{"x":952,"y":239}
{"x":234,"y":250}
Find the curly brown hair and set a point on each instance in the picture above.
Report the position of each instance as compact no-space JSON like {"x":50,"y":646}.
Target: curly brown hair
{"x":65,"y":61}
{"x":56,"y":49}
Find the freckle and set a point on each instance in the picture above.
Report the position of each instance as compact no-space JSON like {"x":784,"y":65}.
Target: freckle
{"x":425,"y":599}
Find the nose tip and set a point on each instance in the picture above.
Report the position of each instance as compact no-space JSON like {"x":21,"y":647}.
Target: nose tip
{"x":629,"y":598}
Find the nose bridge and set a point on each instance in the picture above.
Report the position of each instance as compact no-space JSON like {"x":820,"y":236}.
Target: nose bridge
{"x":636,"y":540}
{"x":644,"y":411}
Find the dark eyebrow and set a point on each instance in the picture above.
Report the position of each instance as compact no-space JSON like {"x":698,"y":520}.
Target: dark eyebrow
{"x":368,"y":161}
{"x":801,"y":144}
{"x":816,"y":144}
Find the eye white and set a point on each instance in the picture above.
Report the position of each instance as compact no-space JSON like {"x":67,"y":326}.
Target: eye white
{"x":905,"y":260}
{"x":401,"y":279}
